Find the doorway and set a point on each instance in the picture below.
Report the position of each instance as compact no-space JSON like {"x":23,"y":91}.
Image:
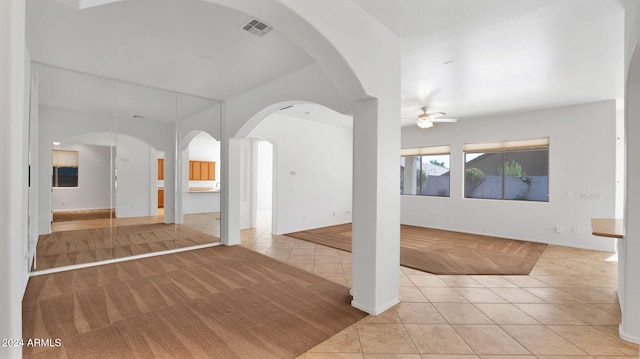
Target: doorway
{"x":264,"y":213}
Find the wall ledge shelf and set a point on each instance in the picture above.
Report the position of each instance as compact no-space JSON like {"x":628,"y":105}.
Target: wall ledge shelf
{"x":203,"y":189}
{"x":607,"y":227}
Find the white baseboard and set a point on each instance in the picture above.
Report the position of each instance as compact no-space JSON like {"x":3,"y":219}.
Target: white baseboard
{"x":625,"y":336}
{"x":376,"y":311}
{"x":620,"y":298}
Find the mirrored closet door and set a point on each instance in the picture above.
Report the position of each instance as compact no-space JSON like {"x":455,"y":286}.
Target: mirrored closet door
{"x":123,"y":169}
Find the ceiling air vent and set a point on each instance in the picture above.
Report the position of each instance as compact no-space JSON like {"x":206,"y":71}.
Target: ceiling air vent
{"x":257,"y":27}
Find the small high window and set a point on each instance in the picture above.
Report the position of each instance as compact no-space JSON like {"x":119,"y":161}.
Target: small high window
{"x":65,"y":169}
{"x":425,"y":171}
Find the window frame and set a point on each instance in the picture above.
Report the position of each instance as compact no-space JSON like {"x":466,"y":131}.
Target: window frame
{"x":60,"y":161}
{"x":505,"y":147}
{"x":414,"y":152}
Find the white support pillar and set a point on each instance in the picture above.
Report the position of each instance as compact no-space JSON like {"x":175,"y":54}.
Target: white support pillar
{"x":410,"y":178}
{"x":12,"y":258}
{"x":182,"y":200}
{"x":230,"y":191}
{"x":376,"y":206}
{"x":630,"y":248}
{"x":170,"y":186}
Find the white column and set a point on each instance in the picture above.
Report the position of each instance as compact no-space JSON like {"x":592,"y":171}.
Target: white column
{"x":170,"y":185}
{"x":630,"y":249}
{"x":230,"y":191}
{"x":12,"y":259}
{"x":376,"y":205}
{"x":410,"y":179}
{"x":182,"y":206}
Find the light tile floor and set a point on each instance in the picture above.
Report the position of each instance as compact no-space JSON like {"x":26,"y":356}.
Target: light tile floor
{"x":566,"y":308}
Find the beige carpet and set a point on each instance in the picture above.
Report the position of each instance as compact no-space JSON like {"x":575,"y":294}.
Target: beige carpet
{"x":220,"y":302}
{"x":444,"y":252}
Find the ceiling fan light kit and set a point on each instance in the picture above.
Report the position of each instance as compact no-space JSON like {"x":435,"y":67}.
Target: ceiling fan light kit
{"x":424,"y":123}
{"x":425,"y":120}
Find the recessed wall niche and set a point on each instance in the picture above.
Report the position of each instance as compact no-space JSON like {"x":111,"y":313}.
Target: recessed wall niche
{"x":133,"y":194}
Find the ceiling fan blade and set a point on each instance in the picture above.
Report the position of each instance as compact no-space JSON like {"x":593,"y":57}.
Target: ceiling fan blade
{"x":445,"y":120}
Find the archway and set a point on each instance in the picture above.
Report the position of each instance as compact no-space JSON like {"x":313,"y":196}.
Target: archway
{"x":365,"y":75}
{"x":312,"y":168}
{"x":198,"y":197}
{"x":131,"y":193}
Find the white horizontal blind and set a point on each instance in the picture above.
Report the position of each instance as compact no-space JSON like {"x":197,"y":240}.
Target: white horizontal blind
{"x":507,"y":145}
{"x":424,"y":151}
{"x":63,"y":158}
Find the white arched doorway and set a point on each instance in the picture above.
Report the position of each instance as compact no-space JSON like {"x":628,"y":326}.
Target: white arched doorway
{"x":366,"y":76}
{"x":199,"y":182}
{"x":264,"y":214}
{"x":132,"y":193}
{"x":302,"y":155}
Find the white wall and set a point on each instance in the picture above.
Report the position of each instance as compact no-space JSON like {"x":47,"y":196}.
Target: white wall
{"x":202,"y":202}
{"x":313,"y":174}
{"x":13,"y":212}
{"x":581,"y":161}
{"x":137,"y":191}
{"x":629,"y":247}
{"x":94,"y":180}
{"x":33,"y":160}
{"x":264,"y":187}
{"x":208,"y":121}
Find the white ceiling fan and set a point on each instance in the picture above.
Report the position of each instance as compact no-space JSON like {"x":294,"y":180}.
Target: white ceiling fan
{"x":426,"y":120}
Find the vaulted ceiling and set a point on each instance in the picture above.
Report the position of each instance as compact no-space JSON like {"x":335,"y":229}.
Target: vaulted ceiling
{"x":467,"y":58}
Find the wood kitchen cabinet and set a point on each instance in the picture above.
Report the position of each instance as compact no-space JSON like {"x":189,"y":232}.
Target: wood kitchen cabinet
{"x":195,"y":170}
{"x":211,"y":175}
{"x":160,"y":168}
{"x":160,"y":197}
{"x":202,"y":171}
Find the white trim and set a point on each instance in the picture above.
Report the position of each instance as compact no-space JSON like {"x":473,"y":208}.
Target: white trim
{"x":378,"y":310}
{"x":629,"y":338}
{"x":118,"y":260}
{"x":620,"y":296}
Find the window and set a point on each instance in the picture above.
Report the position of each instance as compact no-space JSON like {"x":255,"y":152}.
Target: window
{"x":65,"y":169}
{"x":508,"y":170}
{"x":425,"y":171}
